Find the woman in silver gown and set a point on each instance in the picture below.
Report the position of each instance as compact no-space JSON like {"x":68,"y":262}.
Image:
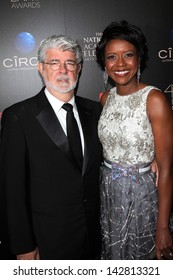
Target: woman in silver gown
{"x":136,"y":126}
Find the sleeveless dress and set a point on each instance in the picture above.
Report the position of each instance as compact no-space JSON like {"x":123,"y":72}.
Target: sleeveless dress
{"x":129,"y":200}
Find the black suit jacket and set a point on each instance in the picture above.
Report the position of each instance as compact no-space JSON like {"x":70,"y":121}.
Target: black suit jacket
{"x":50,"y":202}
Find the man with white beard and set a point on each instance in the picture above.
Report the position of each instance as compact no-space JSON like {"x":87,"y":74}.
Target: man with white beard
{"x":52,"y":198}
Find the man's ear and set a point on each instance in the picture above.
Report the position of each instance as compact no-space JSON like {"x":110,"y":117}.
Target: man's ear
{"x":40,"y":67}
{"x":79,"y":67}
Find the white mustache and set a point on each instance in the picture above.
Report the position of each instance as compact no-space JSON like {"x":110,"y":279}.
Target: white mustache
{"x":63,"y":77}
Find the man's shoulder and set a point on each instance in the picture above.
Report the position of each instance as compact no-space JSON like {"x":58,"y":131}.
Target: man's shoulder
{"x":23,"y":105}
{"x":87,"y":102}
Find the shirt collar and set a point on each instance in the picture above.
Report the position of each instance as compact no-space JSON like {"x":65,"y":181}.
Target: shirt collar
{"x":56,"y":103}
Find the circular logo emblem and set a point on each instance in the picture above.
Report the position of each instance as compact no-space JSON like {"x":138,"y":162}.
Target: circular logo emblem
{"x":25,"y":42}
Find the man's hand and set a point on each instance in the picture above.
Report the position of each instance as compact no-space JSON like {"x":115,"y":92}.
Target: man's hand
{"x":34,"y":255}
{"x":154,"y":168}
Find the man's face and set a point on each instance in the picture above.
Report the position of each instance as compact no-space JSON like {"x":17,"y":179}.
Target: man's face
{"x":63,"y":79}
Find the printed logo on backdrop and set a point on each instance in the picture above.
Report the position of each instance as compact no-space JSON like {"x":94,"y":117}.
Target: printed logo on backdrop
{"x":166,"y":55}
{"x":22,"y":4}
{"x":89,"y":45}
{"x":24,"y":44}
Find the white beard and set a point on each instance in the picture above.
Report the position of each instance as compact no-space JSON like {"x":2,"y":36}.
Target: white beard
{"x":65,"y":87}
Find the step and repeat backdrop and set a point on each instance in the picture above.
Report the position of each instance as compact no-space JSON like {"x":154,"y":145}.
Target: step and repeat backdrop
{"x":25,"y":23}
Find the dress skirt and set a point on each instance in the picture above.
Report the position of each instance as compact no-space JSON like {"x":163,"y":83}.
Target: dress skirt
{"x":128,"y":214}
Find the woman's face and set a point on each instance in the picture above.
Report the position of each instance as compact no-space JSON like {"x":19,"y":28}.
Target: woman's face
{"x":121,"y":61}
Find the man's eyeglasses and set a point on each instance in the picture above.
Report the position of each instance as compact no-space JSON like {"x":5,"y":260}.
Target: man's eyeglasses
{"x":69,"y":65}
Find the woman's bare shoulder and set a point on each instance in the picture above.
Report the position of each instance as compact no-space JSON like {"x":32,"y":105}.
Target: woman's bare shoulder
{"x":104,"y":97}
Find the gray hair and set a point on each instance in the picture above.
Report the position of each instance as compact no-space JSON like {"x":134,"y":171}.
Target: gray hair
{"x":60,"y":42}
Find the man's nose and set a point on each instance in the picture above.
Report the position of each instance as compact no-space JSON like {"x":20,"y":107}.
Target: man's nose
{"x":62,"y":68}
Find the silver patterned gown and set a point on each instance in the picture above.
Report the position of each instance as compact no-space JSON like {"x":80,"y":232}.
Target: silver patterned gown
{"x":128,"y":206}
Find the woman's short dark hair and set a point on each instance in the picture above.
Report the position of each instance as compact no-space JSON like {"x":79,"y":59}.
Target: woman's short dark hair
{"x":124,"y":31}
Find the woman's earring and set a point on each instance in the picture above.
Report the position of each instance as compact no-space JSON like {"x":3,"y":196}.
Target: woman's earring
{"x":138,"y":74}
{"x":105,"y":78}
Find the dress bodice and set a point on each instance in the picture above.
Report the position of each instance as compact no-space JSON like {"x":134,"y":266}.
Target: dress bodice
{"x":124,"y":128}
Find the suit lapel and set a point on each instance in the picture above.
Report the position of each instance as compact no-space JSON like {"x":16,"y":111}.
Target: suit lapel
{"x":85,"y":119}
{"x":51,"y":125}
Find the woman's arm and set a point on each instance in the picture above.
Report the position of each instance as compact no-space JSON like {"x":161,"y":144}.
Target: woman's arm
{"x":161,"y":117}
